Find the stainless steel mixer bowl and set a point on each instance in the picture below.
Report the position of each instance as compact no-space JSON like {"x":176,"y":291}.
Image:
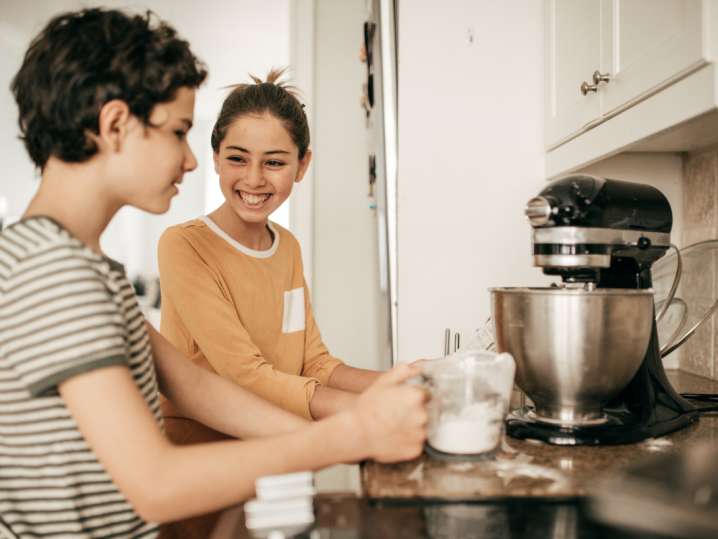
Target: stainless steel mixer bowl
{"x":575,"y":349}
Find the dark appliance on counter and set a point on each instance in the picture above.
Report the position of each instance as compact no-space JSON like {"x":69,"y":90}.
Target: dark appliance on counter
{"x":601,"y":236}
{"x":672,"y":494}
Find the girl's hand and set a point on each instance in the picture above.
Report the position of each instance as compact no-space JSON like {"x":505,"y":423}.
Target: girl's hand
{"x":392,"y":416}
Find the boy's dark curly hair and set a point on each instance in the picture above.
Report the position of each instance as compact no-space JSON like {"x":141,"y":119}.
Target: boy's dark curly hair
{"x":82,"y":60}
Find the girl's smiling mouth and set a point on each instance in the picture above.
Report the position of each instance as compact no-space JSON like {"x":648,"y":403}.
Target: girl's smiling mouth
{"x":253,"y":200}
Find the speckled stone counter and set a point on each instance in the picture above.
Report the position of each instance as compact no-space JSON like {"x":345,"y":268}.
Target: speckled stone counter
{"x":524,"y":468}
{"x":348,"y":517}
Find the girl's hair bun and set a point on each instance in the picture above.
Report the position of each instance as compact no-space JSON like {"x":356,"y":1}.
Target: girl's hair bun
{"x":274,"y":96}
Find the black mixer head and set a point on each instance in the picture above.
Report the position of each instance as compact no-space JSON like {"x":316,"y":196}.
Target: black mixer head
{"x":595,"y":229}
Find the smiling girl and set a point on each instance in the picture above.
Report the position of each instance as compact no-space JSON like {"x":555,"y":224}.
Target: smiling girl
{"x":234,"y":298}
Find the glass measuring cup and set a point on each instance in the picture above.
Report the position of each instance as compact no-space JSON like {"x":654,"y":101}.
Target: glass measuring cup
{"x":470,"y":393}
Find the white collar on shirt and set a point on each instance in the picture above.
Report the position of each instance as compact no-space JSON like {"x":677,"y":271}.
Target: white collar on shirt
{"x":242,"y":248}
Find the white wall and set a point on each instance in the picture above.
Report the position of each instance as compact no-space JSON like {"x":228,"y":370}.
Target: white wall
{"x":301,"y":203}
{"x":470,"y":156}
{"x":19,"y":22}
{"x":232,"y":38}
{"x":345,"y":251}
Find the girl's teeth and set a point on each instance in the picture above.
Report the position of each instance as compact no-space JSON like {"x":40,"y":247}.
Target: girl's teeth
{"x":253,"y":199}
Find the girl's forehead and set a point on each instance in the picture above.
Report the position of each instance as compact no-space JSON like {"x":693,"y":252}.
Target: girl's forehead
{"x":258,"y":129}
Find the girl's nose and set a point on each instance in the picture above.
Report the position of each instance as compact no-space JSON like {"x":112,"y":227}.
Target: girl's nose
{"x":255,"y":177}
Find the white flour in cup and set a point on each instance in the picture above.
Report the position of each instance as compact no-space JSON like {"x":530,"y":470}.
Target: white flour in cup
{"x":476,"y":429}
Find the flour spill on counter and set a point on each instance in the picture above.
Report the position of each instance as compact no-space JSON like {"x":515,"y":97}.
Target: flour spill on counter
{"x":417,"y":473}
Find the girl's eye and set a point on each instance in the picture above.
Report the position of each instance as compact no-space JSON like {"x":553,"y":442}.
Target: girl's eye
{"x":236,"y":158}
{"x":181,"y":134}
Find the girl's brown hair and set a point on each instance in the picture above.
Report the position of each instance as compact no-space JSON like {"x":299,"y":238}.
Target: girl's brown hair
{"x":272,"y":96}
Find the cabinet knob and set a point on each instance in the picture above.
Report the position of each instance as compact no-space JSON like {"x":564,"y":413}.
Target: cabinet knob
{"x":586,"y":88}
{"x":599,"y":77}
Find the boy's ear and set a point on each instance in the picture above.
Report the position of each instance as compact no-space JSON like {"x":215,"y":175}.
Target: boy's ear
{"x":112,"y":122}
{"x":303,"y":166}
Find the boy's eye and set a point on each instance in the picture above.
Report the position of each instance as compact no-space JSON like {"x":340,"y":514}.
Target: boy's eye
{"x":236,"y":158}
{"x":275,"y":163}
{"x":181,"y":134}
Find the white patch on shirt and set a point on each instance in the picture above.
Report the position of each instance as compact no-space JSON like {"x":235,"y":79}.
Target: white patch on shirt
{"x":293,"y":311}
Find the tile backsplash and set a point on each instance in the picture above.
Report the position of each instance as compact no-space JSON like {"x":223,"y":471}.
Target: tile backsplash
{"x":700,"y":222}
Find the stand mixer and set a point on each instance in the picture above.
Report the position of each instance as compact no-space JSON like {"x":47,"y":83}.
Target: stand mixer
{"x":587,"y":352}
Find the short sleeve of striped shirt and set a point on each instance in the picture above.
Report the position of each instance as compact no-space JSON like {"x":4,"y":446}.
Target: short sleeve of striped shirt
{"x":58,"y":318}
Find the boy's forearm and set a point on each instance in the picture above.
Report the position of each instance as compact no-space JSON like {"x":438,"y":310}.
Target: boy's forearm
{"x":218,"y":403}
{"x":165,"y":482}
{"x":197,"y":479}
{"x":352,"y":379}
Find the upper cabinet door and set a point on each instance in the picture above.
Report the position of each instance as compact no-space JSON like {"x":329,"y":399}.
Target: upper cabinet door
{"x":646,"y":45}
{"x":573,"y":52}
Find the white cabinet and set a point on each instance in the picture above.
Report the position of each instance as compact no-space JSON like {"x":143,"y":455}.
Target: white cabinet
{"x":642,"y":45}
{"x":646,"y":45}
{"x":573,"y":51}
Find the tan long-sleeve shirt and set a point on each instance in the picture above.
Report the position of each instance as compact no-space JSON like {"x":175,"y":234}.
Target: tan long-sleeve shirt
{"x":243,"y":314}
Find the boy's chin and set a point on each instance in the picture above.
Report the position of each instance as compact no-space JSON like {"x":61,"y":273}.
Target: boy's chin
{"x":157,"y":207}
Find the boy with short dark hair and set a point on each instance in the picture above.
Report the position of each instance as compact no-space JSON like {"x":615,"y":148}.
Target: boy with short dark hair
{"x":106,"y":101}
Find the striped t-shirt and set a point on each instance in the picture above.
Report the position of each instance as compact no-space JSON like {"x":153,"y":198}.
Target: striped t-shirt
{"x":64,"y":310}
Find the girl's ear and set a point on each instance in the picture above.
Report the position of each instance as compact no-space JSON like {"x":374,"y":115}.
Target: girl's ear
{"x":303,"y":165}
{"x":113,"y":122}
{"x":215,"y":158}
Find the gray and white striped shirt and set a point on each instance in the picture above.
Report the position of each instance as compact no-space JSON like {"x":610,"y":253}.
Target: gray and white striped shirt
{"x":64,"y":310}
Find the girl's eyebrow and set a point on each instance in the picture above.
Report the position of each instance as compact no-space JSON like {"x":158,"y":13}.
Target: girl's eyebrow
{"x":239,"y":148}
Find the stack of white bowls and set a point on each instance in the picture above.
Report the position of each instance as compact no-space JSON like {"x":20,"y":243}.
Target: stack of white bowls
{"x":284,"y":506}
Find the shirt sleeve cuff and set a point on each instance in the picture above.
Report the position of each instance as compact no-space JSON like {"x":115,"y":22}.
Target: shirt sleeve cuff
{"x":45,"y":386}
{"x":297,"y":395}
{"x":324,"y":372}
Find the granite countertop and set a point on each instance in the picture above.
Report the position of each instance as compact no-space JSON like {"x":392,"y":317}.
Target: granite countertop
{"x":344,"y":516}
{"x":524,"y":468}
{"x":528,"y":491}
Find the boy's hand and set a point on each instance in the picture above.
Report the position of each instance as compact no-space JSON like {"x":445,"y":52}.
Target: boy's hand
{"x":392,"y":416}
{"x":419,"y":363}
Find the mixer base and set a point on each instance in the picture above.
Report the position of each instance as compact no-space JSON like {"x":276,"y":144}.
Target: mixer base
{"x":620,"y":427}
{"x":592,"y":422}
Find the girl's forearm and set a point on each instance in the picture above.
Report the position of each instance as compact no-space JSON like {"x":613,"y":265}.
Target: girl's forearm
{"x":328,"y":401}
{"x":352,"y":379}
{"x":214,"y":401}
{"x":226,"y":407}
